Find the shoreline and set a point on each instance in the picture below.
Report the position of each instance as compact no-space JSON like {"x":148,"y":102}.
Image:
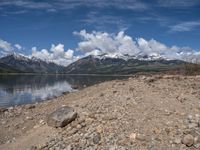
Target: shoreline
{"x":67,"y":74}
{"x":135,"y":113}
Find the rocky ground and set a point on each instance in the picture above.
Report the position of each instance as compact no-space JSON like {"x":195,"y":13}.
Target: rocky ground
{"x":140,"y":113}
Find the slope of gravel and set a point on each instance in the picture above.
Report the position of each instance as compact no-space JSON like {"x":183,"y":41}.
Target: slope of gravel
{"x":145,"y":112}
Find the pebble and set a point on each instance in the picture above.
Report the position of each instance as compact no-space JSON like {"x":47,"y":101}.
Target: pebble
{"x":78,"y":126}
{"x":197,"y":146}
{"x":188,"y":140}
{"x":192,"y":125}
{"x":177,"y":141}
{"x":96,"y":138}
{"x":132,"y":136}
{"x":29,"y":118}
{"x":141,"y":137}
{"x":108,"y":125}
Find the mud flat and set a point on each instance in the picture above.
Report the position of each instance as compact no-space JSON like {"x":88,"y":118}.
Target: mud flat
{"x":143,"y":112}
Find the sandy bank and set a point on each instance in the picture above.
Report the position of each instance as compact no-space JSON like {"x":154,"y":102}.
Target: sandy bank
{"x":145,"y":112}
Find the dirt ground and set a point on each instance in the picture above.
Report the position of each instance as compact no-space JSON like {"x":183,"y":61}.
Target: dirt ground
{"x":140,"y":113}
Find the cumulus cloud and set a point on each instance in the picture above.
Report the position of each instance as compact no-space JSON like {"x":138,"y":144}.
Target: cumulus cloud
{"x":106,"y":43}
{"x":97,"y":43}
{"x":102,"y":42}
{"x":5,"y":46}
{"x":56,"y":54}
{"x":19,"y":47}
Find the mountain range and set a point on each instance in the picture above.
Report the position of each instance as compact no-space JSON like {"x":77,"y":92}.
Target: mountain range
{"x":22,"y":64}
{"x":101,"y":64}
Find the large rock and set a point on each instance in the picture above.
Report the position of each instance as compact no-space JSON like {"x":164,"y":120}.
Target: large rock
{"x":61,"y":117}
{"x":188,"y":140}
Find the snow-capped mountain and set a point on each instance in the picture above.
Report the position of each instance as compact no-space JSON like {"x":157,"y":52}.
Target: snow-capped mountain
{"x":21,"y":63}
{"x":98,"y":64}
{"x":121,"y":64}
{"x":126,"y":57}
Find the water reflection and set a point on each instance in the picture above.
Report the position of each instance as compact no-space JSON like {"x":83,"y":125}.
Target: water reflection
{"x":22,"y":89}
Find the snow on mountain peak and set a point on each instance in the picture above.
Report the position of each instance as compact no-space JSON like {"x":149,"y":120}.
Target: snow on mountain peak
{"x":126,"y":57}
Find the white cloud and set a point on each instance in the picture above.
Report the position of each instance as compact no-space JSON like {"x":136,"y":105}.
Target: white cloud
{"x":69,"y":54}
{"x":106,"y":43}
{"x":102,"y":42}
{"x":5,"y":46}
{"x":53,"y":6}
{"x":178,"y":3}
{"x":26,"y":4}
{"x":96,"y":43}
{"x":185,"y":26}
{"x":19,"y":47}
{"x":56,"y":54}
{"x":135,"y":5}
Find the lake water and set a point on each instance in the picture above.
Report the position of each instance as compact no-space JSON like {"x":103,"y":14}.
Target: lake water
{"x":23,"y":89}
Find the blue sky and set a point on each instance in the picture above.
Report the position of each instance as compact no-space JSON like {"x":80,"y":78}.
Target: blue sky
{"x":41,"y":23}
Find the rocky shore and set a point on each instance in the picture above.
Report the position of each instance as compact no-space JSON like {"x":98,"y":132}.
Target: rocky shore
{"x":140,"y":113}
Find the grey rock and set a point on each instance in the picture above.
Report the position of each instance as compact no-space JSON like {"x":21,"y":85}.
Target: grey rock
{"x":96,"y":138}
{"x":188,"y":140}
{"x":2,"y":110}
{"x":29,"y":106}
{"x":190,"y":118}
{"x":61,"y":117}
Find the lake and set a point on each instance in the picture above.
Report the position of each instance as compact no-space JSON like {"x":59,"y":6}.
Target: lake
{"x":24,"y":89}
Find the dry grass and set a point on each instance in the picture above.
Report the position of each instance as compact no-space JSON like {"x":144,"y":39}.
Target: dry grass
{"x":192,"y":69}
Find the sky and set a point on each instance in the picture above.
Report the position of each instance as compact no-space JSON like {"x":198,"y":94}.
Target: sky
{"x":63,"y":31}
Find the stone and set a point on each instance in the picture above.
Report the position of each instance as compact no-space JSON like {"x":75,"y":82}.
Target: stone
{"x":29,"y":106}
{"x":141,"y":137}
{"x":78,"y":126}
{"x":2,"y":110}
{"x":33,"y":147}
{"x":177,"y":141}
{"x":96,"y":138}
{"x":196,"y":140}
{"x":75,"y":87}
{"x":188,"y":140}
{"x":192,"y":125}
{"x":29,"y":118}
{"x":41,"y":122}
{"x":61,"y":117}
{"x":132,"y":136}
{"x":190,"y":118}
{"x":11,"y":108}
{"x":114,"y":147}
{"x":197,"y":146}
{"x":150,"y":80}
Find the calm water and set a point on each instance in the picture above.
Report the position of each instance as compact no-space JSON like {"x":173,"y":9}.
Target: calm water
{"x":23,"y":89}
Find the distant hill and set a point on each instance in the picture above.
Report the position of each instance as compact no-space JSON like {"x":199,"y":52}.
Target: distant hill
{"x":7,"y":69}
{"x":18,"y":63}
{"x":121,"y":65}
{"x":101,"y":64}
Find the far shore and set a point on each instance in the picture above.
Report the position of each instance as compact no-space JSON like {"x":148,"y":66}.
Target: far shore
{"x":67,"y":74}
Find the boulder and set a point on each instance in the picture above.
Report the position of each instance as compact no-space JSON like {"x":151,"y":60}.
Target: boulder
{"x":188,"y":140}
{"x":61,"y":117}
